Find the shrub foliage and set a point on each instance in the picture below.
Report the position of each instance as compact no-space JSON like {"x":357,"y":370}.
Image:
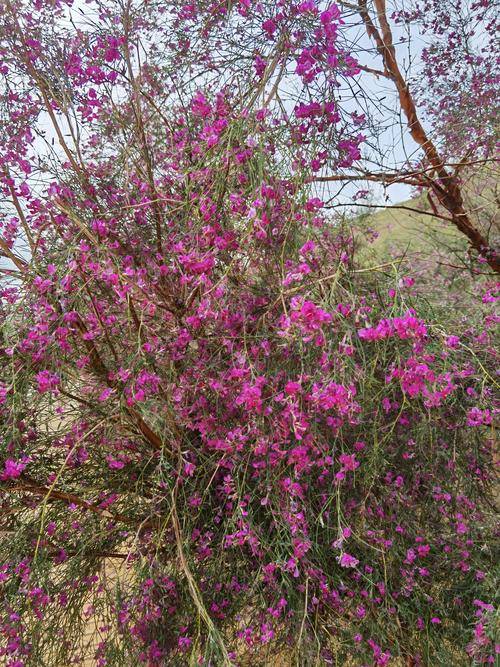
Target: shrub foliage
{"x":287,"y":454}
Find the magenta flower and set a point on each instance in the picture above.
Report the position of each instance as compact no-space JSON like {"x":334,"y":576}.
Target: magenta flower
{"x":292,"y":388}
{"x":47,"y":381}
{"x":12,"y":469}
{"x":349,"y":461}
{"x":346,"y":560}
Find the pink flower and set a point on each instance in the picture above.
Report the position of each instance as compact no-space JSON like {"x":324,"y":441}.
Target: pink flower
{"x":300,"y":547}
{"x":105,"y":394}
{"x":184,"y":643}
{"x":259,"y":65}
{"x":115,"y":464}
{"x":452,"y":341}
{"x":348,"y":461}
{"x":251,"y":395}
{"x":47,"y":381}
{"x":400,"y":327}
{"x":189,"y":469}
{"x":199,"y":106}
{"x":307,"y":6}
{"x":292,"y":388}
{"x":310,"y":316}
{"x":335,"y":396}
{"x":410,"y":556}
{"x":477,"y":417}
{"x":269,"y":27}
{"x":12,"y":469}
{"x":346,"y":560}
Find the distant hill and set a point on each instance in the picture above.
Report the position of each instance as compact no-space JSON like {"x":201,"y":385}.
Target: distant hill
{"x":430,"y":250}
{"x":400,"y":231}
{"x":409,"y":229}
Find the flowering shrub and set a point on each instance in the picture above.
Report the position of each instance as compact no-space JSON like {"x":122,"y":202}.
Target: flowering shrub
{"x":285,"y":451}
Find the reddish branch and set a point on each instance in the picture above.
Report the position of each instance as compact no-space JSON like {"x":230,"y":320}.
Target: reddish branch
{"x":100,"y":369}
{"x":388,"y":178}
{"x":445,"y":187}
{"x":25,"y":483}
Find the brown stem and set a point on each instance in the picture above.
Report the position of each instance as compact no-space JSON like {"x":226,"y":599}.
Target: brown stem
{"x":446,"y":186}
{"x":25,"y":483}
{"x":194,"y":591}
{"x":18,"y":207}
{"x":100,"y":369}
{"x":387,"y":178}
{"x":7,"y":252}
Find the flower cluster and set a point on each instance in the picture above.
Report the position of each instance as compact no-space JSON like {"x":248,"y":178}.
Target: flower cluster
{"x":192,"y":395}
